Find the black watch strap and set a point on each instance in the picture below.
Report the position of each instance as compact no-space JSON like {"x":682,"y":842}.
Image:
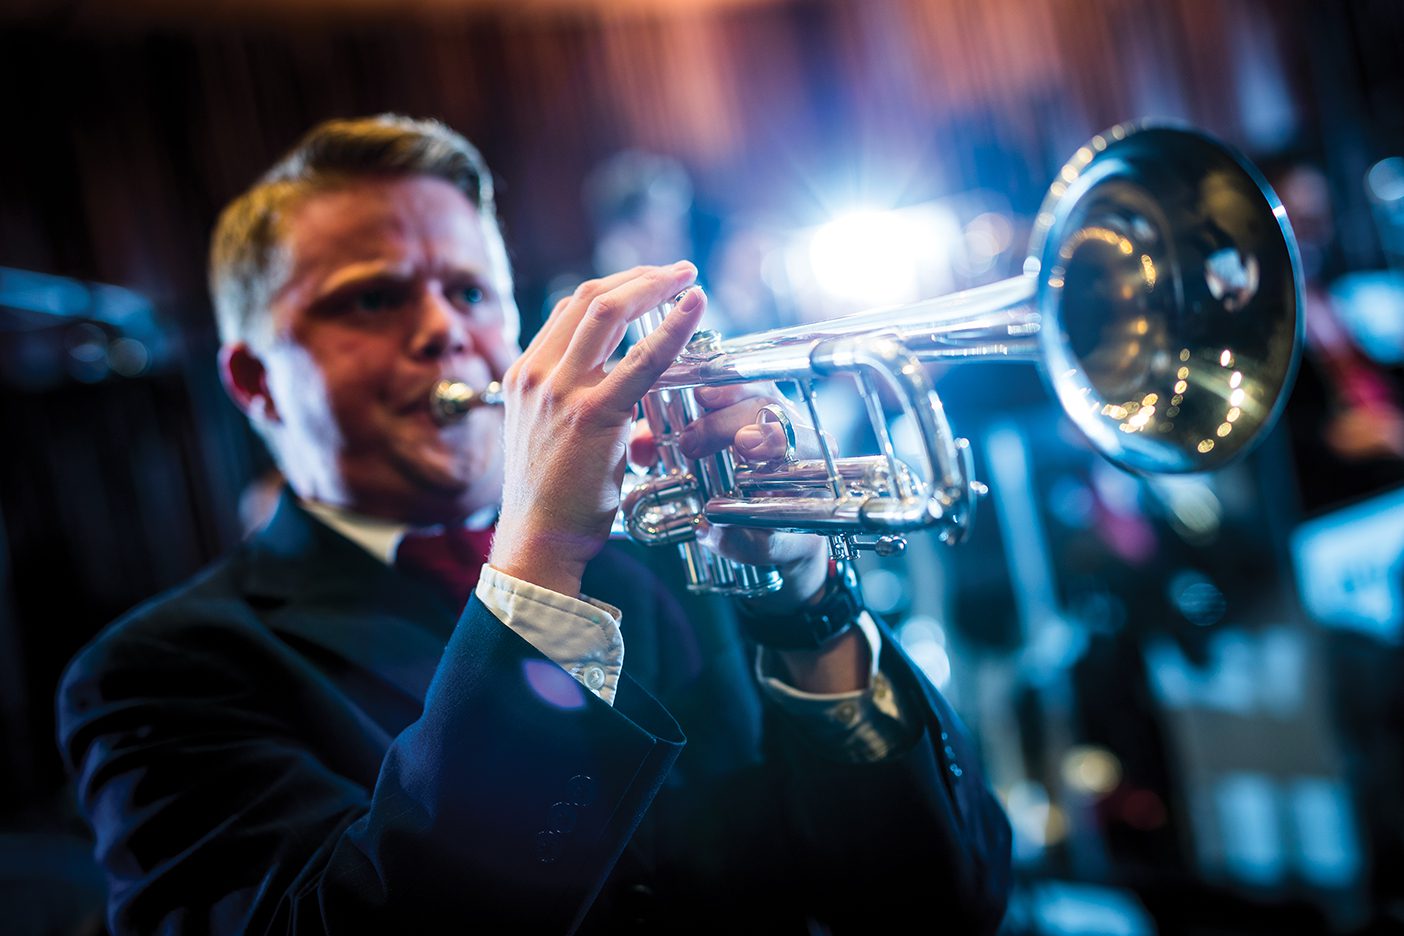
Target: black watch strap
{"x":814,"y":625}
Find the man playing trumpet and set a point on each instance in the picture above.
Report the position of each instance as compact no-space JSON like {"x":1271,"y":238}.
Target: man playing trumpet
{"x":317,"y":735}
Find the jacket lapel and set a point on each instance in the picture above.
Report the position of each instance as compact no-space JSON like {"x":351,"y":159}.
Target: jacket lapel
{"x":320,"y":588}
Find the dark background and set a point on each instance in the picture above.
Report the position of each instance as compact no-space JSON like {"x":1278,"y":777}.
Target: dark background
{"x":126,"y":126}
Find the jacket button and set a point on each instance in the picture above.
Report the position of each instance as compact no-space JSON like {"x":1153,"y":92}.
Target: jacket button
{"x":548,"y":847}
{"x":638,"y":905}
{"x":562,"y":818}
{"x":581,"y":790}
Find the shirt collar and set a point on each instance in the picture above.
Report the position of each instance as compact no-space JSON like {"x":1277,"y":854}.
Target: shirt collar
{"x":376,"y":535}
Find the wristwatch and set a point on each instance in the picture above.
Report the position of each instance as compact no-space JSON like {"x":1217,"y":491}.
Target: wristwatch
{"x":812,"y":626}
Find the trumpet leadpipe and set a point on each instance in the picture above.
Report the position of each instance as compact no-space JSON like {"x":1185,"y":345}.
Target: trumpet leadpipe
{"x":998,"y":322}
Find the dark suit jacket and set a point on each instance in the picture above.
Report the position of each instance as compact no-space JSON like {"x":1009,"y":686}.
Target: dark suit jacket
{"x":302,"y":741}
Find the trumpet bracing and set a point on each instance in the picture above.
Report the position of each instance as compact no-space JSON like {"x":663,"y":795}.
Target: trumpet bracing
{"x":1161,"y":298}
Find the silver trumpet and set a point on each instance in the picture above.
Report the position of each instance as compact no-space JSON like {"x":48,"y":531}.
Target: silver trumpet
{"x":1161,"y":298}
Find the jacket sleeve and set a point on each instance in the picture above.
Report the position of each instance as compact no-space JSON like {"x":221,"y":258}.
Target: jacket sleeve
{"x":503,"y":807}
{"x":920,"y":826}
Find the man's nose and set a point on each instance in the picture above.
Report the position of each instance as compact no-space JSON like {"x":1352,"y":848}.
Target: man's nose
{"x":439,"y":328}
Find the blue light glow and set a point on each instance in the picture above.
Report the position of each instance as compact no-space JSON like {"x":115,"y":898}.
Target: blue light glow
{"x":553,"y":685}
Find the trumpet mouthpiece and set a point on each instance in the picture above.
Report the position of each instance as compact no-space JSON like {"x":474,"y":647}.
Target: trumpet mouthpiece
{"x":451,"y":400}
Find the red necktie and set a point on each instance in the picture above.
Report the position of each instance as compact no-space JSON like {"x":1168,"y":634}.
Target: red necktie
{"x":450,"y":560}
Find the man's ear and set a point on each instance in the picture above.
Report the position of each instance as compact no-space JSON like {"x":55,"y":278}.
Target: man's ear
{"x":246,"y":381}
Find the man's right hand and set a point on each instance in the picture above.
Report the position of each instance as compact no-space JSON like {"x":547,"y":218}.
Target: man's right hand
{"x":567,"y":420}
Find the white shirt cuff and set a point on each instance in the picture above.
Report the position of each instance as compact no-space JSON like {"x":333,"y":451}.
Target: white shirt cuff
{"x":581,"y":634}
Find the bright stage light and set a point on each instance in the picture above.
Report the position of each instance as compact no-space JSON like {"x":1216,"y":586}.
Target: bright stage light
{"x":865,"y":255}
{"x":880,"y":257}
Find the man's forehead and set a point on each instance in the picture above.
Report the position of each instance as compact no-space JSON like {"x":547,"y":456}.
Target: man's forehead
{"x":365,"y":218}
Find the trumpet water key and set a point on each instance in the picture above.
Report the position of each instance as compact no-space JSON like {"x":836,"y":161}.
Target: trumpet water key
{"x":1161,"y":299}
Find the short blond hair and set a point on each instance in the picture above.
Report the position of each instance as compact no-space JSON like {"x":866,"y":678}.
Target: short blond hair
{"x":245,"y":259}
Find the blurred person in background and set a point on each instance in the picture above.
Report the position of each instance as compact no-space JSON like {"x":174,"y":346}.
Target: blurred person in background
{"x":741,"y":266}
{"x":641,"y":206}
{"x":394,"y":708}
{"x":1347,"y":420}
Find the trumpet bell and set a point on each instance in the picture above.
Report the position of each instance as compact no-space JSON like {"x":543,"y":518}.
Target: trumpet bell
{"x":1170,"y":298}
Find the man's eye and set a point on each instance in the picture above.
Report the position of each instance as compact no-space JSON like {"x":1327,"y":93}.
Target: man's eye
{"x":471,"y":295}
{"x":373,"y":300}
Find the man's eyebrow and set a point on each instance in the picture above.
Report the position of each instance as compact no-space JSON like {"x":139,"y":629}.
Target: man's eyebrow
{"x":354,"y":273}
{"x":463,"y":271}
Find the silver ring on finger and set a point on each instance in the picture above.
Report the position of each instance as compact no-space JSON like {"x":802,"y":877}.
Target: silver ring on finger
{"x":777,"y":414}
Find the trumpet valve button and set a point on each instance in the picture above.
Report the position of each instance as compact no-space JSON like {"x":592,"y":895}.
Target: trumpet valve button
{"x":704,"y":341}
